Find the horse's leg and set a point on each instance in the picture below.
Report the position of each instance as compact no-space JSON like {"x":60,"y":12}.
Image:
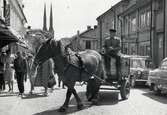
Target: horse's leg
{"x":59,"y":81}
{"x":79,"y":102}
{"x":65,"y":105}
{"x":93,"y":91}
{"x":32,"y":85}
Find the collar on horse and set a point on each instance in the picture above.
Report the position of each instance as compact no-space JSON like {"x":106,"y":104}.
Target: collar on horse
{"x":69,"y":55}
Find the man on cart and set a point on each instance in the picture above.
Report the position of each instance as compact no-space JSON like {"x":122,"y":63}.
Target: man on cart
{"x":112,"y":49}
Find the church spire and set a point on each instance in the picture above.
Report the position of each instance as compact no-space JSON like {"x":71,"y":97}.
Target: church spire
{"x":44,"y":19}
{"x":51,"y":21}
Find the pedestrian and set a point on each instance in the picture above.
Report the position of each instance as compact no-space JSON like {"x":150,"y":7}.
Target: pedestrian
{"x":44,"y":72}
{"x":26,"y":58}
{"x":9,"y":71}
{"x":2,"y":69}
{"x":20,"y":66}
{"x":29,"y":64}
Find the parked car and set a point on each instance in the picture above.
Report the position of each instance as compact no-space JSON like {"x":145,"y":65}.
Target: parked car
{"x":157,"y":79}
{"x":139,"y":69}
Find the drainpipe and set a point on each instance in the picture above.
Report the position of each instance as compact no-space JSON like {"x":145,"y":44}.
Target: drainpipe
{"x":101,"y":41}
{"x":151,"y":53}
{"x":121,"y":34}
{"x":164,"y":28}
{"x":114,"y":19}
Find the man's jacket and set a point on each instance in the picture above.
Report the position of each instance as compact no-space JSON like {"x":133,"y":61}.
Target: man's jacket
{"x":20,"y":65}
{"x":112,"y":46}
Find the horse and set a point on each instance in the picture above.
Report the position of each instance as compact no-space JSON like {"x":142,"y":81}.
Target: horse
{"x":69,"y":65}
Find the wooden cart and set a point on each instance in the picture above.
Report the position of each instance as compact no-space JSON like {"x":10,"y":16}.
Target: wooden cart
{"x":120,"y":82}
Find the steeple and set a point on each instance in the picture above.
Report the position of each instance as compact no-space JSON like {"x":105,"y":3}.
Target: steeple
{"x":44,"y":19}
{"x":51,"y":30}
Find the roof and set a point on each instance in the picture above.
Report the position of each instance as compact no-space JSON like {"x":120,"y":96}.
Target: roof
{"x":6,"y":36}
{"x":112,"y":8}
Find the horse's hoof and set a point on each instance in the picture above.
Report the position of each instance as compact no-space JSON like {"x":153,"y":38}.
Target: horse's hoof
{"x":94,"y":101}
{"x":62,"y":109}
{"x":80,"y":106}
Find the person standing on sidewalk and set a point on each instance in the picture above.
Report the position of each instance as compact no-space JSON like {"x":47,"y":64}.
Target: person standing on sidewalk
{"x":20,"y":66}
{"x":9,"y":71}
{"x":2,"y":69}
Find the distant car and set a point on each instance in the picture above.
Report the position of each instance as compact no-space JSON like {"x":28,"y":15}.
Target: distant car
{"x":138,"y":70}
{"x":157,"y":79}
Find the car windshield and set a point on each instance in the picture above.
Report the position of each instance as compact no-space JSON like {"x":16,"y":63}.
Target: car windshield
{"x":164,"y":65}
{"x":137,"y":64}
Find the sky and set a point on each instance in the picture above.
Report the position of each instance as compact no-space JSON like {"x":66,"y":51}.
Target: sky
{"x":68,"y":15}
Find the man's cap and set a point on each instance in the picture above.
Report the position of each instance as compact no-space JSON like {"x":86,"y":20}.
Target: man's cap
{"x":112,"y":30}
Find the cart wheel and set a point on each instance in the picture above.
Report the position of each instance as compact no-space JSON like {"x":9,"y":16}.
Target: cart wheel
{"x":92,"y":89}
{"x":125,"y":90}
{"x":156,"y":89}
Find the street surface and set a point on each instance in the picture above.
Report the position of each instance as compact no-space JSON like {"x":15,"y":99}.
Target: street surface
{"x":141,"y":102}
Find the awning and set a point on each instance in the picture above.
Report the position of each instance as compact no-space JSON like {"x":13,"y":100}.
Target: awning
{"x":7,"y":36}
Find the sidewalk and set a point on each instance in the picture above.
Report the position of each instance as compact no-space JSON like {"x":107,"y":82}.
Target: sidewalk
{"x":11,"y":103}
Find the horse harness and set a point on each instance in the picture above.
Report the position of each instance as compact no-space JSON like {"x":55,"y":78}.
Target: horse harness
{"x":80,"y":66}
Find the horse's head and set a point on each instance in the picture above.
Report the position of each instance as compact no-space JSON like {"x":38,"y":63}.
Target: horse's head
{"x":45,"y":51}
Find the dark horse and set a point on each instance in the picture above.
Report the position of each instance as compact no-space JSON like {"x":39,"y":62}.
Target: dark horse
{"x":70,"y":68}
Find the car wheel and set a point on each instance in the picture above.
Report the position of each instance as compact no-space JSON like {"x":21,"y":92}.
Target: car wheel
{"x":156,"y":89}
{"x":125,"y":90}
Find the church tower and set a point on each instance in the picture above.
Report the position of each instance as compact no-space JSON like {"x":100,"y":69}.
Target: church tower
{"x":51,"y":30}
{"x":44,"y":19}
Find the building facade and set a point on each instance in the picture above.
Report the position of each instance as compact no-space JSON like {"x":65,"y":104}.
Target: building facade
{"x":143,"y":29}
{"x":87,"y":39}
{"x":90,"y":38}
{"x":11,"y":11}
{"x":141,"y":25}
{"x":109,"y":20}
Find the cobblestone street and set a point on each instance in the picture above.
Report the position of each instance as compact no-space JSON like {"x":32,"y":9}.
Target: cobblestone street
{"x":141,"y":102}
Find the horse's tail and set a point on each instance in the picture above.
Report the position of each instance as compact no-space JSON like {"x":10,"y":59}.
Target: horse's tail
{"x":100,"y":70}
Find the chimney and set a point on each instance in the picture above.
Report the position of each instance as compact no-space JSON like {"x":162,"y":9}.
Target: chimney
{"x":95,"y":26}
{"x":88,"y":27}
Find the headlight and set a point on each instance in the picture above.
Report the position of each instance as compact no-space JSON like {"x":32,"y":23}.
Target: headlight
{"x":139,"y":72}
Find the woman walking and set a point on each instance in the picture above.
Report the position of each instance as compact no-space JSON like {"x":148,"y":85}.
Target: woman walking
{"x":43,"y":74}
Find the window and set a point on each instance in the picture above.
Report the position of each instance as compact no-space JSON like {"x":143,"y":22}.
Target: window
{"x":133,"y":24}
{"x":126,"y":25}
{"x":142,"y":20}
{"x":1,"y":8}
{"x":88,"y":45}
{"x":148,"y":50}
{"x":160,"y":4}
{"x":112,"y":24}
{"x":145,"y":18}
{"x":148,"y":18}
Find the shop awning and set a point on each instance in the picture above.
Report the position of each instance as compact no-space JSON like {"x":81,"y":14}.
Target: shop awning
{"x":7,"y":36}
